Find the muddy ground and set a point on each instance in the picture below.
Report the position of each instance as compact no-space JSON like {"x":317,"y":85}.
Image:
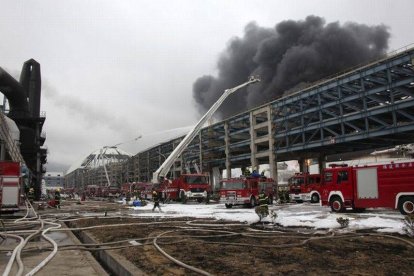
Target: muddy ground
{"x":253,"y":249}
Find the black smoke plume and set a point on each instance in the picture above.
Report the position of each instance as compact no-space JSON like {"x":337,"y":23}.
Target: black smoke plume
{"x":287,"y":57}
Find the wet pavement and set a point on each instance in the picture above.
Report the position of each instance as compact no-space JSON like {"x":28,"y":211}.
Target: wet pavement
{"x":65,"y":262}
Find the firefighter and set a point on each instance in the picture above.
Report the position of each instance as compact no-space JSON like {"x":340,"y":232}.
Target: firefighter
{"x":255,"y":174}
{"x":57,"y":198}
{"x":247,"y":173}
{"x":263,"y":198}
{"x":128,"y":198}
{"x":137,"y":194}
{"x":156,"y":198}
{"x":263,"y":209}
{"x":31,"y":195}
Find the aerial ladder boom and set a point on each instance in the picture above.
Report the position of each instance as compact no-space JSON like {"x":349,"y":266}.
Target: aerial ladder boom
{"x":162,"y":171}
{"x":196,"y":167}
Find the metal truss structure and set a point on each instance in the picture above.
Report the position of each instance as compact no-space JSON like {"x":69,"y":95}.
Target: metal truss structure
{"x":369,"y":107}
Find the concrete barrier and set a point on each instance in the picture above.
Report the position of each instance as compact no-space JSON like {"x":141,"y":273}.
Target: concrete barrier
{"x":113,"y":262}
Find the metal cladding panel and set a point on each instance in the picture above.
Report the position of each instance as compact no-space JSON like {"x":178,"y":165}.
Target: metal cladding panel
{"x":367,"y":183}
{"x":10,"y":196}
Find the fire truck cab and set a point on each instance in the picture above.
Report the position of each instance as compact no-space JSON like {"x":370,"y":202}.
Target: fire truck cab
{"x":93,"y":191}
{"x":110,"y":191}
{"x":357,"y":187}
{"x":245,"y":190}
{"x":185,"y":187}
{"x":304,"y":187}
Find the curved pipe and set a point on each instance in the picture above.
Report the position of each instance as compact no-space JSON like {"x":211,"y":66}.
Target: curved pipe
{"x":15,"y":94}
{"x":30,"y":80}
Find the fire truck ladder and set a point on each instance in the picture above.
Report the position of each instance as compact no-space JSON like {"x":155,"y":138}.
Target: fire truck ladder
{"x":11,"y":145}
{"x":163,"y":170}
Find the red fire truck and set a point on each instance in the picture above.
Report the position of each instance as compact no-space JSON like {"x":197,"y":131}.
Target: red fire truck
{"x":144,"y":188}
{"x":186,"y":187}
{"x":190,"y":186}
{"x":360,"y":187}
{"x":245,"y":190}
{"x":304,"y":187}
{"x":111,"y":191}
{"x":93,"y":191}
{"x":127,"y":187}
{"x":10,"y":186}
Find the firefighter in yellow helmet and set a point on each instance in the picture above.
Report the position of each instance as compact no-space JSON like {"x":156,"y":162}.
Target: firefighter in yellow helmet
{"x":156,"y":199}
{"x":247,"y":173}
{"x":263,"y":209}
{"x":31,"y":195}
{"x":263,"y":199}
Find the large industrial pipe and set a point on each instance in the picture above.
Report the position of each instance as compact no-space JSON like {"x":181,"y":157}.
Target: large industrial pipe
{"x":30,"y":80}
{"x":15,"y":94}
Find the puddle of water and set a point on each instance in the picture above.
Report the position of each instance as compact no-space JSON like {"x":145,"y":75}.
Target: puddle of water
{"x":61,"y":238}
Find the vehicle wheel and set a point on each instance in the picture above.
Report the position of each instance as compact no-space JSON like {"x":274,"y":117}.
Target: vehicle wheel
{"x":336,"y":204}
{"x":228,"y":206}
{"x":314,"y":198}
{"x":252,"y":202}
{"x":406,"y":205}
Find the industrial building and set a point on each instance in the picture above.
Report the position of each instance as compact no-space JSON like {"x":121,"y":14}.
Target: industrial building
{"x":367,"y":108}
{"x":52,"y":181}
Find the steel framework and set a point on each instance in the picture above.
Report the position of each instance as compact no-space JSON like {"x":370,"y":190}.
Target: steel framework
{"x":369,"y":107}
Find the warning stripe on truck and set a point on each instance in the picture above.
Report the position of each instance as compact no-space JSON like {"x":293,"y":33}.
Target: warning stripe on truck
{"x":9,"y":181}
{"x":169,"y":190}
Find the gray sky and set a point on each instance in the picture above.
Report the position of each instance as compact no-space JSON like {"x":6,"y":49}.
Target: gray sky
{"x":113,"y":70}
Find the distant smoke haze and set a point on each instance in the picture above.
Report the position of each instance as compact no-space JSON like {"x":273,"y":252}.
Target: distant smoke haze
{"x":287,"y":57}
{"x":91,"y":116}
